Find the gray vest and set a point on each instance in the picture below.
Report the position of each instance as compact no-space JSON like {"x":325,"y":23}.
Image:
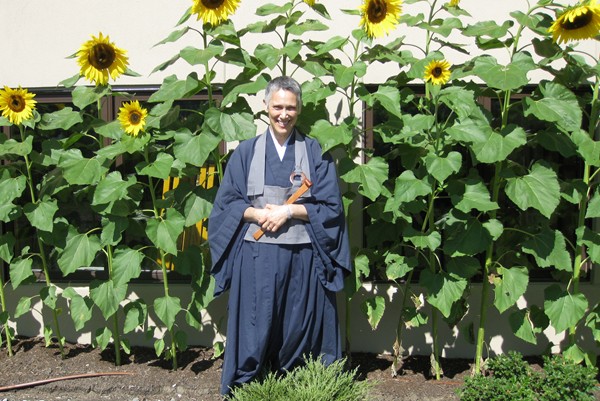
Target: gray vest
{"x":293,"y":231}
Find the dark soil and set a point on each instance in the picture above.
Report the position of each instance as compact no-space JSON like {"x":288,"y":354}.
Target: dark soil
{"x":144,"y":377}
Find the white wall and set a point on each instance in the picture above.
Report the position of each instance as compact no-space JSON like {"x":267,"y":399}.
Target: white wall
{"x":39,"y":35}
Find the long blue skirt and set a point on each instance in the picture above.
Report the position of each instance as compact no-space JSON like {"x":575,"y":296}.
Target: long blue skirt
{"x":279,"y":312}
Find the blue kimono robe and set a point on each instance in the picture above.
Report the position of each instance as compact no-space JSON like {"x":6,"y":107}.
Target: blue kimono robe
{"x":282,"y":296}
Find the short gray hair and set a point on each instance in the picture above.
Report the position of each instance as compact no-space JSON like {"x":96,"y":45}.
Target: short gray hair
{"x":286,"y":83}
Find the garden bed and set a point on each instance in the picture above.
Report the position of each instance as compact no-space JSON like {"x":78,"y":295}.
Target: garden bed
{"x":144,"y":377}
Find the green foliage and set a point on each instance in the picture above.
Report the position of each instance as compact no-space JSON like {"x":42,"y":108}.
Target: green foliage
{"x":512,"y":379}
{"x":313,"y":381}
{"x":456,"y":190}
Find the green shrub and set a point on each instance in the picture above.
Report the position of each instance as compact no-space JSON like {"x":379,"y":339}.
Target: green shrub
{"x":565,"y":380}
{"x":512,"y":379}
{"x":311,"y":382}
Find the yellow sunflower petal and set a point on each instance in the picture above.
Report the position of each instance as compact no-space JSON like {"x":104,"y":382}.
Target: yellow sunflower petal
{"x":100,"y":59}
{"x":380,"y":17}
{"x":132,"y":117}
{"x":577,"y":23}
{"x":437,"y":72}
{"x":454,"y":3}
{"x":16,"y":104}
{"x":311,"y":3}
{"x":214,"y":12}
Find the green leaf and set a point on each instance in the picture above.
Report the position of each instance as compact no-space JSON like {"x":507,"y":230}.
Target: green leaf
{"x":173,"y":36}
{"x":471,"y":193}
{"x":127,"y":265}
{"x":389,"y":98}
{"x":196,"y":56}
{"x":11,"y":188}
{"x":107,"y":295}
{"x":233,"y":88}
{"x":194,"y":149}
{"x":78,"y":170}
{"x":48,"y":296}
{"x":587,"y":147}
{"x":231,"y":127}
{"x":308,"y":25}
{"x":81,"y":311}
{"x":549,"y":248}
{"x":166,"y":309}
{"x":330,"y":136}
{"x":112,"y":188}
{"x":23,"y":307}
{"x":539,"y":189}
{"x":173,"y":88}
{"x":159,"y":168}
{"x":441,"y":167}
{"x":593,"y":207}
{"x":374,"y":309}
{"x":136,"y":313}
{"x":102,"y":339}
{"x":369,"y":176}
{"x":510,"y":284}
{"x":20,"y":271}
{"x":7,"y":245}
{"x":79,"y":251}
{"x":354,"y":280}
{"x":522,"y":326}
{"x":488,"y":28}
{"x":420,"y":240}
{"x":83,"y":96}
{"x":164,"y":232}
{"x":509,"y":77}
{"x":62,"y":119}
{"x":397,"y":266}
{"x":41,"y":214}
{"x":268,"y":55}
{"x":112,"y":229}
{"x":555,"y":103}
{"x":408,"y":187}
{"x":466,"y":238}
{"x":12,"y":147}
{"x":442,"y":289}
{"x":591,"y":239}
{"x":344,"y":76}
{"x":563,"y":309}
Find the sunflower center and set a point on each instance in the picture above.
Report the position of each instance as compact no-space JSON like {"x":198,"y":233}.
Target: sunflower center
{"x":377,"y":10}
{"x":578,"y":22}
{"x":135,"y":118}
{"x":437,"y":72}
{"x":212,"y":4}
{"x":17,"y":103}
{"x":101,"y":56}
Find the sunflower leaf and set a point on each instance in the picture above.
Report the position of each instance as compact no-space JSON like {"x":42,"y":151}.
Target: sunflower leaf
{"x":83,"y":96}
{"x":62,"y":119}
{"x":173,"y":36}
{"x":194,"y":149}
{"x":369,"y":176}
{"x":79,"y":251}
{"x":164,"y":232}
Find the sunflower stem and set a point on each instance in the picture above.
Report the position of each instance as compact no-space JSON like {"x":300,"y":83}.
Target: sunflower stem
{"x":4,"y":309}
{"x":42,"y":251}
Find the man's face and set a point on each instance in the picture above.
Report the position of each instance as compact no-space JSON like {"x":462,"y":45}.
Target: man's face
{"x":283,"y":113}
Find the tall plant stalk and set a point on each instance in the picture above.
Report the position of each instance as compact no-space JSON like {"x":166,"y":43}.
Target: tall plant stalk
{"x":41,"y":249}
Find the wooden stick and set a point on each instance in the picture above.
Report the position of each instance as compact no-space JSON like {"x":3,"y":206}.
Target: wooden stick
{"x":306,"y":183}
{"x":55,"y":379}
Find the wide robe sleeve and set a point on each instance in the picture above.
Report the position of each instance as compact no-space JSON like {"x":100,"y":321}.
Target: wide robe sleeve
{"x":226,"y":222}
{"x":327,"y":226}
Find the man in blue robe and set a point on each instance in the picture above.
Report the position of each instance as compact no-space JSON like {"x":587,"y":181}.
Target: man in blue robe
{"x":282,"y":304}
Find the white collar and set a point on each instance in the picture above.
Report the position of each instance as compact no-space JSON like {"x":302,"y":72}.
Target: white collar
{"x":280,"y":148}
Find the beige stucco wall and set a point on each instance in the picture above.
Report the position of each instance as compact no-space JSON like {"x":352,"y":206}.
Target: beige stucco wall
{"x":39,"y":35}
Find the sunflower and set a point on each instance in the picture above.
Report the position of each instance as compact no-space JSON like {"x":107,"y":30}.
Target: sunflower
{"x":16,"y":104}
{"x":379,"y":17}
{"x":99,"y":57}
{"x":214,"y":12}
{"x":578,"y":22}
{"x":437,"y":72}
{"x":133,"y":118}
{"x":311,"y":3}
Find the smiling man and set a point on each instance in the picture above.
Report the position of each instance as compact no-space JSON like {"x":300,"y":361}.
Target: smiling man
{"x":282,"y":285}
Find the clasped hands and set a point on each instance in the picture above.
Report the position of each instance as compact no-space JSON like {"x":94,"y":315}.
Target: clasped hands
{"x":272,"y":217}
